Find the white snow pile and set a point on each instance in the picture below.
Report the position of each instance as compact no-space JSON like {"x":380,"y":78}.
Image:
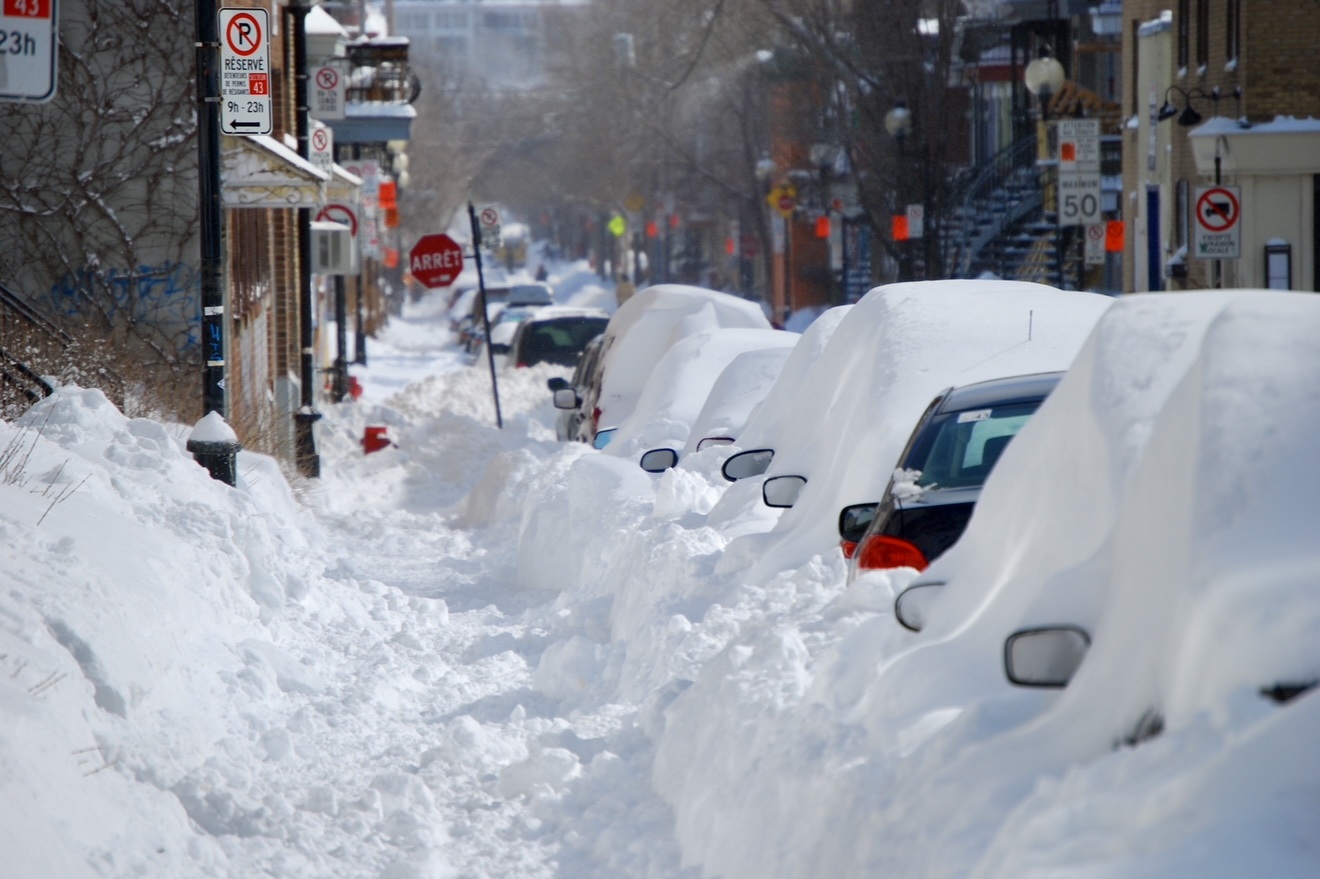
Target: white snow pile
{"x":479,"y":652}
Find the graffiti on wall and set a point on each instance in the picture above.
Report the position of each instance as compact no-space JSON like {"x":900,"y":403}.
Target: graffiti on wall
{"x":166,"y":296}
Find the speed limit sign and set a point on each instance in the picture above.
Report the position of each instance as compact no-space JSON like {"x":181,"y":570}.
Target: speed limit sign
{"x":1079,"y":198}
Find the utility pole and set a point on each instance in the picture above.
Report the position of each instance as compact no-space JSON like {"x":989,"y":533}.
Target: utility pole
{"x":213,"y":445}
{"x":305,"y":456}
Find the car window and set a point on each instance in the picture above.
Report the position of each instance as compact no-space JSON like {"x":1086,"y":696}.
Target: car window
{"x":961,"y":448}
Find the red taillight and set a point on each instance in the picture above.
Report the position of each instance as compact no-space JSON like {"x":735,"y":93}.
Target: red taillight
{"x":882,"y":551}
{"x":849,"y":548}
{"x":595,"y":419}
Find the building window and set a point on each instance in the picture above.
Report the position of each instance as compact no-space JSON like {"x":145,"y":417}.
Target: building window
{"x":1136,"y":65}
{"x":1184,"y":29}
{"x":1202,"y":35}
{"x":1278,"y":265}
{"x":1232,"y":30}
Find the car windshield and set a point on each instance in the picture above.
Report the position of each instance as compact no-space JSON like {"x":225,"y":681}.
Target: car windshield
{"x":531,"y":294}
{"x":959,"y":449}
{"x":560,"y":340}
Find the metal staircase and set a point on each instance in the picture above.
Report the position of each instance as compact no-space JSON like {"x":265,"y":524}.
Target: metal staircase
{"x":32,"y":346}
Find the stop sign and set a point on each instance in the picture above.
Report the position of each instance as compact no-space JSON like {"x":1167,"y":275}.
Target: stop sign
{"x":435,"y":260}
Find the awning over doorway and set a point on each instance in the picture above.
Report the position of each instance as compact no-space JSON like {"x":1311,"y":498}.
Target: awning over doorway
{"x":261,"y":172}
{"x":1283,"y":146}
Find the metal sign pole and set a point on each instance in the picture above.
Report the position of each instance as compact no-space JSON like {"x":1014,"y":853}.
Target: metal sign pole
{"x":485,"y":317}
{"x":218,"y":456}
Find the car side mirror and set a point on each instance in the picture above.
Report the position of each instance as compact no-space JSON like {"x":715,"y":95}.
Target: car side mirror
{"x":782,"y":491}
{"x":556,"y":383}
{"x":752,"y":462}
{"x":602,"y":438}
{"x":1045,"y":657}
{"x":711,"y":441}
{"x":659,"y":460}
{"x":912,"y":606}
{"x":854,"y":519}
{"x":567,"y":398}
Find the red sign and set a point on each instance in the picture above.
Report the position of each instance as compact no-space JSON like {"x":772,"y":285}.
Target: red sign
{"x":1114,"y":236}
{"x":435,"y":260}
{"x":243,"y":34}
{"x":900,"y":228}
{"x":1217,"y":210}
{"x":338,"y":213}
{"x":38,"y":9}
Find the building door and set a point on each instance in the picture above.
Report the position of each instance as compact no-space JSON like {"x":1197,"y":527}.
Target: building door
{"x":1154,"y":263}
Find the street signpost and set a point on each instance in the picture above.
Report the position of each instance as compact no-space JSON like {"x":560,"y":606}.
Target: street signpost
{"x":1079,"y":198}
{"x":1095,"y":244}
{"x":490,"y":226}
{"x":435,"y":260}
{"x":28,"y":53}
{"x":916,"y":220}
{"x":328,"y":88}
{"x":321,"y":147}
{"x":1080,"y":202}
{"x":783,"y":199}
{"x":1218,"y":229}
{"x":340,"y":213}
{"x":245,"y":73}
{"x":1079,"y":145}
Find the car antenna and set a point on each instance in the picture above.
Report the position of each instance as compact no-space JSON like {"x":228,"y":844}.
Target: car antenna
{"x":1030,"y":314}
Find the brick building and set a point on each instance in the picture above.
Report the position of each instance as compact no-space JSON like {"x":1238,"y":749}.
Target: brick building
{"x":1221,"y":93}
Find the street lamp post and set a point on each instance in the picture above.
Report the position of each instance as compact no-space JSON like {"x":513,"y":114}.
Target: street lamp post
{"x":215,"y":449}
{"x":898,"y":123}
{"x":1044,"y":77}
{"x":305,"y":456}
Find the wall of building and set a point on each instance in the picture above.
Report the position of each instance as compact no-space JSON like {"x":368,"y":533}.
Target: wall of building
{"x":1263,"y":50}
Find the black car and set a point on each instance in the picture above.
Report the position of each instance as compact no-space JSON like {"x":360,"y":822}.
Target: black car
{"x":555,"y":335}
{"x":569,"y":395}
{"x":950,"y":454}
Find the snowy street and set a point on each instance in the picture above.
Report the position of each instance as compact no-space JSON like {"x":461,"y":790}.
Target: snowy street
{"x":486,"y":653}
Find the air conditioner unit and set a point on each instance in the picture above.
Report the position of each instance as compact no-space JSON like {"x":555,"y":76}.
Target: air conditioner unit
{"x":333,"y":250}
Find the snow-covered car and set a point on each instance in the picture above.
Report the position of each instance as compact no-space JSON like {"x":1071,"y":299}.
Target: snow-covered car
{"x":639,"y":334}
{"x":567,"y":395}
{"x":951,"y":453}
{"x":768,"y":425}
{"x":1131,"y":615}
{"x":504,"y":323}
{"x":678,"y":388}
{"x":555,"y":334}
{"x":890,"y":355}
{"x":734,"y":398}
{"x":533,"y":293}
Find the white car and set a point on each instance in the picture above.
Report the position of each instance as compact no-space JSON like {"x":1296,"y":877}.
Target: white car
{"x":890,"y":355}
{"x":639,"y":334}
{"x":678,"y":388}
{"x":1132,"y":615}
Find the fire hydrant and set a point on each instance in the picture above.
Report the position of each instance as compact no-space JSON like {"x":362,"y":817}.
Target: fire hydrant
{"x":375,"y":439}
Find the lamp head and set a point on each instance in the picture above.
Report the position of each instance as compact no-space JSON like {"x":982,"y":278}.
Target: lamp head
{"x":898,"y":121}
{"x":1189,"y":116}
{"x":1044,"y":76}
